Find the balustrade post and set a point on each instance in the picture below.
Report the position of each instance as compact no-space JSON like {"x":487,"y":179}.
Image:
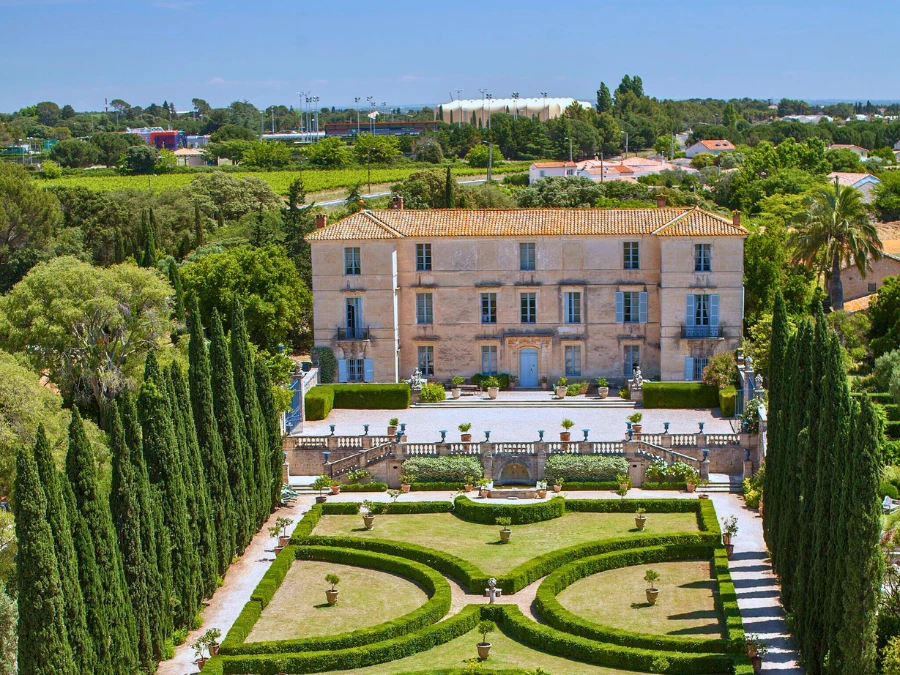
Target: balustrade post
{"x":704,"y":468}
{"x":399,"y":450}
{"x":700,"y":439}
{"x":665,"y":440}
{"x":584,"y":447}
{"x":367,"y":442}
{"x":443,"y":449}
{"x":332,"y":443}
{"x":487,"y":459}
{"x":541,"y":453}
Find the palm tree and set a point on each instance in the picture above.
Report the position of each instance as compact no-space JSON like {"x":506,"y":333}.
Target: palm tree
{"x":835,"y":231}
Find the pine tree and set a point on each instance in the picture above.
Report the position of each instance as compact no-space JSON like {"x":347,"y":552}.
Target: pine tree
{"x":197,"y":489}
{"x":272,"y":427}
{"x":604,"y":99}
{"x":245,"y":386}
{"x":81,"y":469}
{"x":231,"y":430}
{"x":449,"y":185}
{"x":43,"y":645}
{"x":148,"y":256}
{"x":126,"y":517}
{"x":156,"y":551}
{"x":214,"y":465}
{"x":78,"y":636}
{"x":175,"y":279}
{"x":165,"y":471}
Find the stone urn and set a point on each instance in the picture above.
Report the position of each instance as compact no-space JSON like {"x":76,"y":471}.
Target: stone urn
{"x":640,"y":522}
{"x":504,"y":535}
{"x":332,"y":597}
{"x":561,"y":392}
{"x":729,"y":549}
{"x":456,"y":392}
{"x":637,"y":426}
{"x":369,"y":521}
{"x":602,"y":392}
{"x":652,"y":595}
{"x":557,"y":488}
{"x":493,"y":391}
{"x":484,"y":650}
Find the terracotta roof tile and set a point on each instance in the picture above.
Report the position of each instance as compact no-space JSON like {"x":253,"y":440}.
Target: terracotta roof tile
{"x":717,"y":144}
{"x":390,"y":224}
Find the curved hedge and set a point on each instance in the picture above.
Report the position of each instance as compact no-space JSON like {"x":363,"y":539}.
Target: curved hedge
{"x":486,"y":514}
{"x":680,"y":395}
{"x":429,"y":613}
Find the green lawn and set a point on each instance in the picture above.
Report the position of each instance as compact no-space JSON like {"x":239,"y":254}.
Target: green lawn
{"x":686,"y":604}
{"x":367,"y":597}
{"x":480,"y":544}
{"x":505,"y":653}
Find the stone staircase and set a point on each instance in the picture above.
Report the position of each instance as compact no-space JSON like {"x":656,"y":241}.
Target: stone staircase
{"x":478,"y":402}
{"x":722,"y":482}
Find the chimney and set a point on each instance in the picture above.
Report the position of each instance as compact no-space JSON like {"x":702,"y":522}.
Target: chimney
{"x":736,"y":218}
{"x":660,"y":201}
{"x":397,"y":203}
{"x":321,"y":221}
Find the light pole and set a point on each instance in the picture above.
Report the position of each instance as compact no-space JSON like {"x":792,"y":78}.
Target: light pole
{"x":369,"y":168}
{"x":356,"y":101}
{"x":316,"y":111}
{"x":483,"y":92}
{"x":459,"y":100}
{"x":570,"y":148}
{"x":490,"y":97}
{"x":301,"y":94}
{"x":490,"y":158}
{"x":515,"y":106}
{"x":626,"y":143}
{"x":544,"y":106}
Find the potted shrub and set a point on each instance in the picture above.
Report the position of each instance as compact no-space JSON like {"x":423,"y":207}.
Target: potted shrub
{"x":273,"y":532}
{"x":492,"y":384}
{"x":602,"y":387}
{"x":393,"y":494}
{"x":652,"y":592}
{"x":558,"y":483}
{"x":690,"y":479}
{"x":332,"y":593}
{"x":212,"y":636}
{"x":335,"y":487}
{"x":482,"y":485}
{"x":464,"y":434}
{"x":636,"y":422}
{"x":206,"y":642}
{"x":561,"y":387}
{"x":282,"y":524}
{"x":545,"y":383}
{"x":505,"y":532}
{"x":566,"y":435}
{"x":640,"y":520}
{"x":756,"y":649}
{"x":513,"y":381}
{"x":541,"y":489}
{"x":406,"y":481}
{"x":368,"y":517}
{"x":456,"y":392}
{"x":321,"y":483}
{"x":624,"y":482}
{"x":393,"y":423}
{"x":729,"y":532}
{"x":485,"y":627}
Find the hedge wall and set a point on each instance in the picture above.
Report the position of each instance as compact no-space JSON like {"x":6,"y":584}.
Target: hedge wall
{"x":680,"y":395}
{"x":437,"y":486}
{"x":391,"y":508}
{"x":664,"y":485}
{"x":374,"y":486}
{"x":443,"y":469}
{"x":486,"y":514}
{"x":727,"y":400}
{"x":584,"y":468}
{"x":321,"y":399}
{"x":503,"y":378}
{"x":576,"y":485}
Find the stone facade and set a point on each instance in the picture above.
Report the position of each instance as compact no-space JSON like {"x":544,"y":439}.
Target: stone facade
{"x":533,"y":293}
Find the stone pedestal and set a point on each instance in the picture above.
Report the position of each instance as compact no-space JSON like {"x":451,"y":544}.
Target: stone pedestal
{"x":748,"y":468}
{"x":704,"y":469}
{"x":637,"y":395}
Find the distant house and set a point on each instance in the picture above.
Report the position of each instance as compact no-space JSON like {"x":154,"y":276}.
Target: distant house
{"x":864,"y":182}
{"x":712,"y":147}
{"x":190,"y":157}
{"x":806,"y":119}
{"x":855,"y":286}
{"x":540,"y":170}
{"x":862,"y":152}
{"x":897,"y":145}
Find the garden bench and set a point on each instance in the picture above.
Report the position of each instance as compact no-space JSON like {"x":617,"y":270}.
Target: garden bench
{"x":889,"y":505}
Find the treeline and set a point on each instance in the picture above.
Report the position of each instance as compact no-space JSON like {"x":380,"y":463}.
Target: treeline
{"x":110,"y":585}
{"x":822,"y":514}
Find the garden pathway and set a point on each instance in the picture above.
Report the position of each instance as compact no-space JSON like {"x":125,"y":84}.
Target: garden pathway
{"x":524,"y":599}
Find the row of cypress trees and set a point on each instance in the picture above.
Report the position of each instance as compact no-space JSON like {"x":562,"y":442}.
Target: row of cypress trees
{"x":104,"y":580}
{"x":822,"y":513}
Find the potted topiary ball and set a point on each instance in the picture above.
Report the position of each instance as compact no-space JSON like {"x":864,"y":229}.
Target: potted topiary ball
{"x":321,"y":484}
{"x":464,"y":434}
{"x":485,"y":627}
{"x":335,"y":487}
{"x":392,"y":427}
{"x":561,"y":387}
{"x":635,"y":420}
{"x":493,"y":386}
{"x":640,"y":520}
{"x":406,"y":482}
{"x":652,"y":591}
{"x":456,"y":392}
{"x":368,"y":516}
{"x":331,"y":594}
{"x":602,"y":387}
{"x":558,"y":483}
{"x":505,"y":532}
{"x":566,"y":435}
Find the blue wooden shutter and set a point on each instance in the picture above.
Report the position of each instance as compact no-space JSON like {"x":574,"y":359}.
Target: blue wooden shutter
{"x":688,"y":368}
{"x":642,"y":304}
{"x":368,"y":371}
{"x":342,"y":370}
{"x":620,"y":307}
{"x":689,"y":312}
{"x":714,"y":310}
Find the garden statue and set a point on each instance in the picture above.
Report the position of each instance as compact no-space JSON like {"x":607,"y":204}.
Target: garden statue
{"x":748,"y":362}
{"x":637,"y":380}
{"x":415,"y":382}
{"x":759,"y":381}
{"x":492,"y":591}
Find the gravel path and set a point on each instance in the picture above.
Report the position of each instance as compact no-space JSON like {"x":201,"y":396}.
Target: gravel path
{"x":524,"y":599}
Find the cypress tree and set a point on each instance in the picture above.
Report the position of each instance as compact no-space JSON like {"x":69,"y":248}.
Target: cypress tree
{"x":210,"y":443}
{"x":449,"y":196}
{"x":258,"y":463}
{"x":198,"y":227}
{"x":231,"y":430}
{"x":126,"y":517}
{"x":119,"y":248}
{"x":272,"y":428}
{"x":43,"y":647}
{"x":197,"y":489}
{"x":57,"y":516}
{"x":148,"y":256}
{"x":81,"y":469}
{"x":155,"y":550}
{"x":165,"y":470}
{"x":775,"y":448}
{"x":175,"y":280}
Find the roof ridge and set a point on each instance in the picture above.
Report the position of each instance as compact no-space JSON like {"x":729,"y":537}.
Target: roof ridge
{"x":378,"y":221}
{"x":674,"y":220}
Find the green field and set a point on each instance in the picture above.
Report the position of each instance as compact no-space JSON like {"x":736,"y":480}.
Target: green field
{"x":313,"y":180}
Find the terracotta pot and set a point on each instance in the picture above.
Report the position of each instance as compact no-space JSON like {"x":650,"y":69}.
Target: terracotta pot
{"x":690,"y":487}
{"x":565,"y":436}
{"x":602,"y":392}
{"x":369,"y":522}
{"x":278,"y":549}
{"x":652,"y":595}
{"x":557,"y":488}
{"x":483,"y":493}
{"x":456,"y":393}
{"x":726,"y":538}
{"x":504,"y":535}
{"x":541,"y":494}
{"x":484,"y":650}
{"x":392,"y":431}
{"x":332,"y":597}
{"x":335,"y":489}
{"x":637,"y":426}
{"x":640,"y":522}
{"x":545,"y":386}
{"x":729,"y":549}
{"x":493,"y":391}
{"x":561,"y":392}
{"x":201,"y":662}
{"x":465,"y":438}
{"x":757,"y":664}
{"x":284,"y":540}
{"x":404,"y":487}
{"x":703,"y":496}
{"x":321,"y":499}
{"x":468,"y":487}
{"x":214,"y":649}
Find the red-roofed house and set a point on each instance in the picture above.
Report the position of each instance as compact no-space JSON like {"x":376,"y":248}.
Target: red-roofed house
{"x":540,"y":170}
{"x":713,"y":147}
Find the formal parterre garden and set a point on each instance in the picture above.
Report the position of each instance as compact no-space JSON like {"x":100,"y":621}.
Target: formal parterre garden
{"x":638,"y":585}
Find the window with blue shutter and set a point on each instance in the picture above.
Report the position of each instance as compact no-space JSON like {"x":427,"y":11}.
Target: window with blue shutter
{"x":342,"y":370}
{"x":689,"y":311}
{"x":368,"y":370}
{"x":714,"y":310}
{"x":620,"y":307}
{"x":642,"y":303}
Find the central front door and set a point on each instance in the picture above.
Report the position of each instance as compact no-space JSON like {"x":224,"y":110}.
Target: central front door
{"x":528,"y":368}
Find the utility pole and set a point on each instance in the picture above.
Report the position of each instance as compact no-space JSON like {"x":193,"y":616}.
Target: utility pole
{"x":490,"y":97}
{"x":515,"y":105}
{"x":356,"y":101}
{"x":301,"y":94}
{"x":490,"y":165}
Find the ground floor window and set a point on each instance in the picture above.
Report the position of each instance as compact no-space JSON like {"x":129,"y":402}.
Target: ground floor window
{"x":694,"y":367}
{"x":489,"y":360}
{"x":426,"y":360}
{"x":631,"y":359}
{"x":573,"y":361}
{"x":355,"y":370}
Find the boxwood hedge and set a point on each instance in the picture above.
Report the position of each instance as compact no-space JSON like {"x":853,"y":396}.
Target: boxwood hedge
{"x":584,"y":467}
{"x":680,"y":395}
{"x":374,"y":486}
{"x":727,"y":399}
{"x":443,"y":469}
{"x":321,"y":399}
{"x":486,"y":514}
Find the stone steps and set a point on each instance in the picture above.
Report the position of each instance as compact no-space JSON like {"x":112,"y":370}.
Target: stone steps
{"x":549,"y":402}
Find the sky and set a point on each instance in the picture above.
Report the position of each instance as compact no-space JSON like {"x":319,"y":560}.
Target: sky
{"x":79,"y":52}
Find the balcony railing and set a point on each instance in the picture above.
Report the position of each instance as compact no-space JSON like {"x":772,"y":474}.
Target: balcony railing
{"x":703,"y":332}
{"x":353,"y":333}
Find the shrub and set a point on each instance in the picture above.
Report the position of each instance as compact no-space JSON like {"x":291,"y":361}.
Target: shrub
{"x":437,"y":486}
{"x":374,"y":486}
{"x":752,"y":496}
{"x":727,"y":400}
{"x":318,"y":402}
{"x":577,"y":389}
{"x":680,"y":395}
{"x":432,"y":393}
{"x":327,"y":364}
{"x":443,"y":469}
{"x":887,"y":489}
{"x":487,"y":514}
{"x":584,"y":467}
{"x":502,"y":378}
{"x":721,"y":371}
{"x":356,"y":397}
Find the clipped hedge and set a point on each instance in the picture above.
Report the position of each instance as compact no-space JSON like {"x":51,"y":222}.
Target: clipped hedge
{"x":583,"y":467}
{"x":374,"y":486}
{"x":664,"y":485}
{"x":727,"y":400}
{"x":443,"y":469}
{"x":680,"y":395}
{"x":891,"y":411}
{"x":478,"y":380}
{"x":321,"y":399}
{"x":892,"y":430}
{"x":486,"y":514}
{"x":390,"y":508}
{"x":437,"y":486}
{"x":429,"y":613}
{"x":576,"y":485}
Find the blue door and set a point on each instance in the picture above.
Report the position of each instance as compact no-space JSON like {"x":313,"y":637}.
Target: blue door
{"x":528,"y":368}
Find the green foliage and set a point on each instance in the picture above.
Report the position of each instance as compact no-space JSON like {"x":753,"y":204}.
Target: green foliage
{"x":583,"y":467}
{"x":432,"y":393}
{"x":887,"y":196}
{"x":480,"y":380}
{"x":721,"y":371}
{"x":478,"y":156}
{"x":380,"y":149}
{"x":321,"y":399}
{"x":487,"y":514}
{"x":327,"y":364}
{"x":680,"y":395}
{"x":727,"y":400}
{"x":74,"y":154}
{"x":452,"y":469}
{"x":330,"y":152}
{"x":139,"y":160}
{"x":267,"y":155}
{"x":318,"y":402}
